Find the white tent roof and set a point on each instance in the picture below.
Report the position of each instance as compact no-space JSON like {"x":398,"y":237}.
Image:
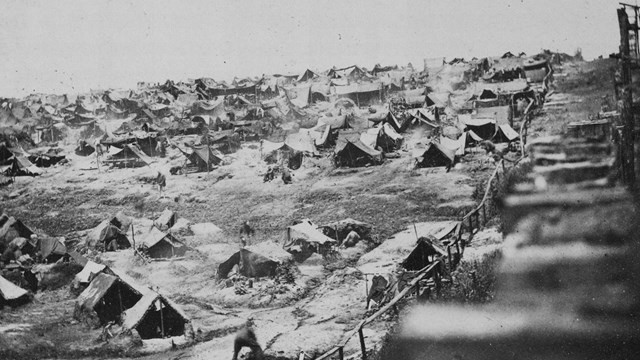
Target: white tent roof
{"x":309,"y":232}
{"x":508,"y":132}
{"x":9,"y":291}
{"x":90,"y":268}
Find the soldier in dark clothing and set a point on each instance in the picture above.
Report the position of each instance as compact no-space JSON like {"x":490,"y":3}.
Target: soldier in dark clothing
{"x":286,"y":175}
{"x":247,"y":337}
{"x":246,"y":229}
{"x":161,"y":180}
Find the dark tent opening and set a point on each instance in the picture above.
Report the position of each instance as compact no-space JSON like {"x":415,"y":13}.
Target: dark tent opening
{"x":318,"y":97}
{"x":118,"y":298}
{"x":105,"y":299}
{"x":170,"y":320}
{"x":388,"y":140}
{"x":485,"y":131}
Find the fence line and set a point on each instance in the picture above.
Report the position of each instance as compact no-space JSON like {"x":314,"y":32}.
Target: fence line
{"x":469,"y":225}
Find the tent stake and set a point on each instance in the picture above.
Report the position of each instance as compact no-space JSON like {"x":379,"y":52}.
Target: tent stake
{"x":362,"y":347}
{"x":161,"y":320}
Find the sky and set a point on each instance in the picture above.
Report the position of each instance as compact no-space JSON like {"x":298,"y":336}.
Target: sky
{"x":71,"y":46}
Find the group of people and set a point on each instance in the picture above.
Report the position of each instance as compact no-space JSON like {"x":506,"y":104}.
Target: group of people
{"x":272,"y":173}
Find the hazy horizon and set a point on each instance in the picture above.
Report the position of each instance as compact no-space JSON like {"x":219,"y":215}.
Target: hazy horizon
{"x":71,"y":46}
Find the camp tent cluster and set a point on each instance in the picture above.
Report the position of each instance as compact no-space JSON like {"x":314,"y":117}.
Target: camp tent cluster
{"x":111,"y":296}
{"x":18,"y":243}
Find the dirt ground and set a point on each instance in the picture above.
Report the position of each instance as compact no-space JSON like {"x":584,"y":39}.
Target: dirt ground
{"x":311,"y":314}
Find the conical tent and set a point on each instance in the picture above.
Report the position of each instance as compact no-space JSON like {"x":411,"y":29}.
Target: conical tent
{"x":52,"y":249}
{"x":388,"y":139}
{"x":249,"y":264}
{"x":436,"y":155}
{"x":155,"y":316}
{"x":351,"y":151}
{"x":505,"y":133}
{"x":282,"y":152}
{"x":158,"y":244}
{"x":484,"y":128}
{"x":204,"y":158}
{"x":105,"y":299}
{"x":102,"y":236}
{"x":129,"y":156}
{"x":11,"y":294}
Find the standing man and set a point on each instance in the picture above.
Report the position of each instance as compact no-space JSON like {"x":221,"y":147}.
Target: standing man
{"x":161,"y":180}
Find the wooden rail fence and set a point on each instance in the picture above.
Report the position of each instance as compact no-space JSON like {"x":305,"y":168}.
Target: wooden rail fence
{"x":471,"y":223}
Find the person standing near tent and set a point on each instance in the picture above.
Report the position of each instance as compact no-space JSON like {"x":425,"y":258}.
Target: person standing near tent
{"x":246,"y":231}
{"x":161,"y":180}
{"x":247,"y":337}
{"x":286,"y":174}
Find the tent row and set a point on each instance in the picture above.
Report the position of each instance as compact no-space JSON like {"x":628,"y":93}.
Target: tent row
{"x":157,"y":243}
{"x":301,"y":240}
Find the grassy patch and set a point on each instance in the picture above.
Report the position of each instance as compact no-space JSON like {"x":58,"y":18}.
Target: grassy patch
{"x":473,"y":282}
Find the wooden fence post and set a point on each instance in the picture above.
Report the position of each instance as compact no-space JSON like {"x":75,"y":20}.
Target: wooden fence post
{"x":341,"y":353}
{"x":450,"y":261}
{"x":362,"y":347}
{"x":484,"y":213}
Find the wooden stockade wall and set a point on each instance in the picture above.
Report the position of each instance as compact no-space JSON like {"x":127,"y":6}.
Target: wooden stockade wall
{"x":471,"y":223}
